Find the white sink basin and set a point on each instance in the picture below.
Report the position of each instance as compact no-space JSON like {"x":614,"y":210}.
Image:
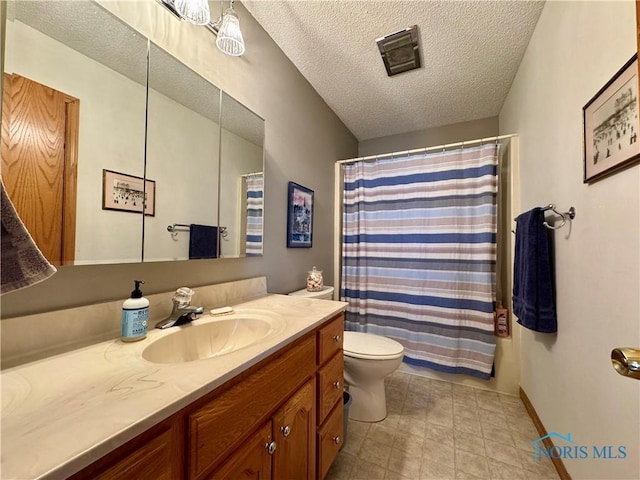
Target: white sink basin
{"x":212,"y":337}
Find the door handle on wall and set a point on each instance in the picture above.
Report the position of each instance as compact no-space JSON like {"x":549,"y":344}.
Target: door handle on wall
{"x":626,"y":361}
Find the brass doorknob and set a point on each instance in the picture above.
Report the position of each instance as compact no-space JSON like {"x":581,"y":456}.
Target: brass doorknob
{"x":626,"y":361}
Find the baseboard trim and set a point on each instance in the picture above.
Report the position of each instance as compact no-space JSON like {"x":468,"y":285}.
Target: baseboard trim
{"x":557,"y":462}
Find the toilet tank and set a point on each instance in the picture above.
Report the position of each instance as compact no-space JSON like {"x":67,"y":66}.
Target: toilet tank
{"x":326,"y":293}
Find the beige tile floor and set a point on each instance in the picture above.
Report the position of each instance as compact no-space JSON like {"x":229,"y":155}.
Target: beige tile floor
{"x":439,"y":430}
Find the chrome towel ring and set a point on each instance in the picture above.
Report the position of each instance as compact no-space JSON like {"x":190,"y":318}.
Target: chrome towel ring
{"x":570,"y":215}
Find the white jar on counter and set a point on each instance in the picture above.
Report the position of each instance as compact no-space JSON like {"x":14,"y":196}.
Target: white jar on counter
{"x":314,"y":280}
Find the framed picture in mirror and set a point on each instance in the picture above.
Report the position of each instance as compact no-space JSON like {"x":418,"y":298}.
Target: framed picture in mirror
{"x":299,"y":216}
{"x":126,"y":193}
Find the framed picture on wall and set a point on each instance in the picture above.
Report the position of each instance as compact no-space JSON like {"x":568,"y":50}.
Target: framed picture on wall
{"x":299,"y":216}
{"x":611,"y":125}
{"x":125,"y":193}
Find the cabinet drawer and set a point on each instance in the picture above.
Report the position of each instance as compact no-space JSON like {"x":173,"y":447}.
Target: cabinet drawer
{"x":330,"y":385}
{"x":217,"y":428}
{"x":330,"y":339}
{"x":330,"y":438}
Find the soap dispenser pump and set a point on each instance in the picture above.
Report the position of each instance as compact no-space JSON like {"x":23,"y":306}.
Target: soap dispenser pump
{"x":135,"y":315}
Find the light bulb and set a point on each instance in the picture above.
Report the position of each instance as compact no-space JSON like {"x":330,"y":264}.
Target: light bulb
{"x":194,"y":11}
{"x":230,"y":39}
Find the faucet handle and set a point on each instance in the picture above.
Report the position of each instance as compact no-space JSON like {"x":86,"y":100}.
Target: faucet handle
{"x":183,"y":296}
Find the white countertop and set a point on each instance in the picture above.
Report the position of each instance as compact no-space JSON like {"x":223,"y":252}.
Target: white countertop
{"x":62,"y":413}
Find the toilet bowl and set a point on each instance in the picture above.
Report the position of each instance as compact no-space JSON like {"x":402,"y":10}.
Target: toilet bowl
{"x":368,"y":359}
{"x":326,"y":293}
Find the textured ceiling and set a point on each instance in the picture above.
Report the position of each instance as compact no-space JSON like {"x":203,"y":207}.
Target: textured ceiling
{"x":471,"y":51}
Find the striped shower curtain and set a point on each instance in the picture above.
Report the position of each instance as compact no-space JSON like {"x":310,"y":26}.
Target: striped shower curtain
{"x":419,"y":255}
{"x":255,"y":207}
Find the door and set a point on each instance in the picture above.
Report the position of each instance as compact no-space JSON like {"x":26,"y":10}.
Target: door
{"x":39,"y":162}
{"x":252,"y":461}
{"x":294,"y":432}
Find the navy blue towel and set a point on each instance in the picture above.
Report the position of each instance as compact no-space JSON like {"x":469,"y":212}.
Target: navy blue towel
{"x":203,"y":241}
{"x":533,"y":291}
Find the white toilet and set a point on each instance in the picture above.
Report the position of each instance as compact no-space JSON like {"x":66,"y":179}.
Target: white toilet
{"x":368,"y":359}
{"x":326,"y":293}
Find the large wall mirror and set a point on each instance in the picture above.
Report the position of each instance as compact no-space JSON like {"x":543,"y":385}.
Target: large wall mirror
{"x":74,"y":138}
{"x":73,"y":105}
{"x":183,"y":147}
{"x":241,"y":180}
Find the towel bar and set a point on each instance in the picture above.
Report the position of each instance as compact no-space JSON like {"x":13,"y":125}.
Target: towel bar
{"x":571,"y":214}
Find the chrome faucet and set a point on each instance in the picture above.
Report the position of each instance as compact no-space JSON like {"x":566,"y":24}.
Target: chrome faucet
{"x":182,"y":311}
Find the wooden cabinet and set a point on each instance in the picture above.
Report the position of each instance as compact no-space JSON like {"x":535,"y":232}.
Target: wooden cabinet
{"x":152,"y":461}
{"x":251,"y":461}
{"x":330,"y":386}
{"x":283,"y":448}
{"x":280,"y":419}
{"x":330,"y":362}
{"x":330,"y":438}
{"x":330,"y":339}
{"x":294,"y":431}
{"x":218,"y":427}
{"x":157,"y":454}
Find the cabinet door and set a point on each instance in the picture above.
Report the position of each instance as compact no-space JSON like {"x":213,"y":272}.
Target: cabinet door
{"x":219,"y":427}
{"x":294,"y":432}
{"x":252,"y":461}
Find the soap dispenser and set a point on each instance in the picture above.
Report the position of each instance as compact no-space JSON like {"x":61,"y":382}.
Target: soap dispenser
{"x":135,"y":315}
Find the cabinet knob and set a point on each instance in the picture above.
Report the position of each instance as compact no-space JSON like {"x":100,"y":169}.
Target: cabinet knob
{"x":271,"y":447}
{"x":337,"y":338}
{"x":286,"y":431}
{"x":336,"y":440}
{"x":336,"y":384}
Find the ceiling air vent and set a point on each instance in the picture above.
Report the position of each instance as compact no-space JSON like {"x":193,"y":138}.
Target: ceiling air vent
{"x":400,"y":51}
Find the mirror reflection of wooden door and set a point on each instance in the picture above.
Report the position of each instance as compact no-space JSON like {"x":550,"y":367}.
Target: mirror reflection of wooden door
{"x":39,"y":162}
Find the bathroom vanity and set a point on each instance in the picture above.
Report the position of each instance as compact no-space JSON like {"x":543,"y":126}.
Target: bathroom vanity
{"x":271,"y":409}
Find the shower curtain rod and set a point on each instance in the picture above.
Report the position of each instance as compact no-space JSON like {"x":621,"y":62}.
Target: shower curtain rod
{"x":427,"y":149}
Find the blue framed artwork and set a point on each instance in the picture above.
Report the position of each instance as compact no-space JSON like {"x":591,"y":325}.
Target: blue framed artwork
{"x":299,"y":216}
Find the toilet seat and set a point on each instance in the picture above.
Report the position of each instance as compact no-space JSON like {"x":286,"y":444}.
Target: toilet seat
{"x":370,"y":346}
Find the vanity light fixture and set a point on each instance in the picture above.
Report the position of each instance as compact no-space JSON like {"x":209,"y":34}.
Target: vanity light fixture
{"x":227,"y":28}
{"x":230,"y":41}
{"x":194,"y":11}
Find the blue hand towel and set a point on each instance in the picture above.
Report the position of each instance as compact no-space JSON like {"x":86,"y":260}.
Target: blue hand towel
{"x":203,"y":241}
{"x":533,"y":291}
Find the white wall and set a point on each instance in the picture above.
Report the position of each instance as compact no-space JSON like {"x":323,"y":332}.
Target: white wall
{"x":456,"y":132}
{"x":576,"y":48}
{"x":111,"y":136}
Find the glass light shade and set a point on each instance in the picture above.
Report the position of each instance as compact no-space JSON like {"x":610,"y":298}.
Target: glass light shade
{"x":230,"y":39}
{"x":194,"y":11}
